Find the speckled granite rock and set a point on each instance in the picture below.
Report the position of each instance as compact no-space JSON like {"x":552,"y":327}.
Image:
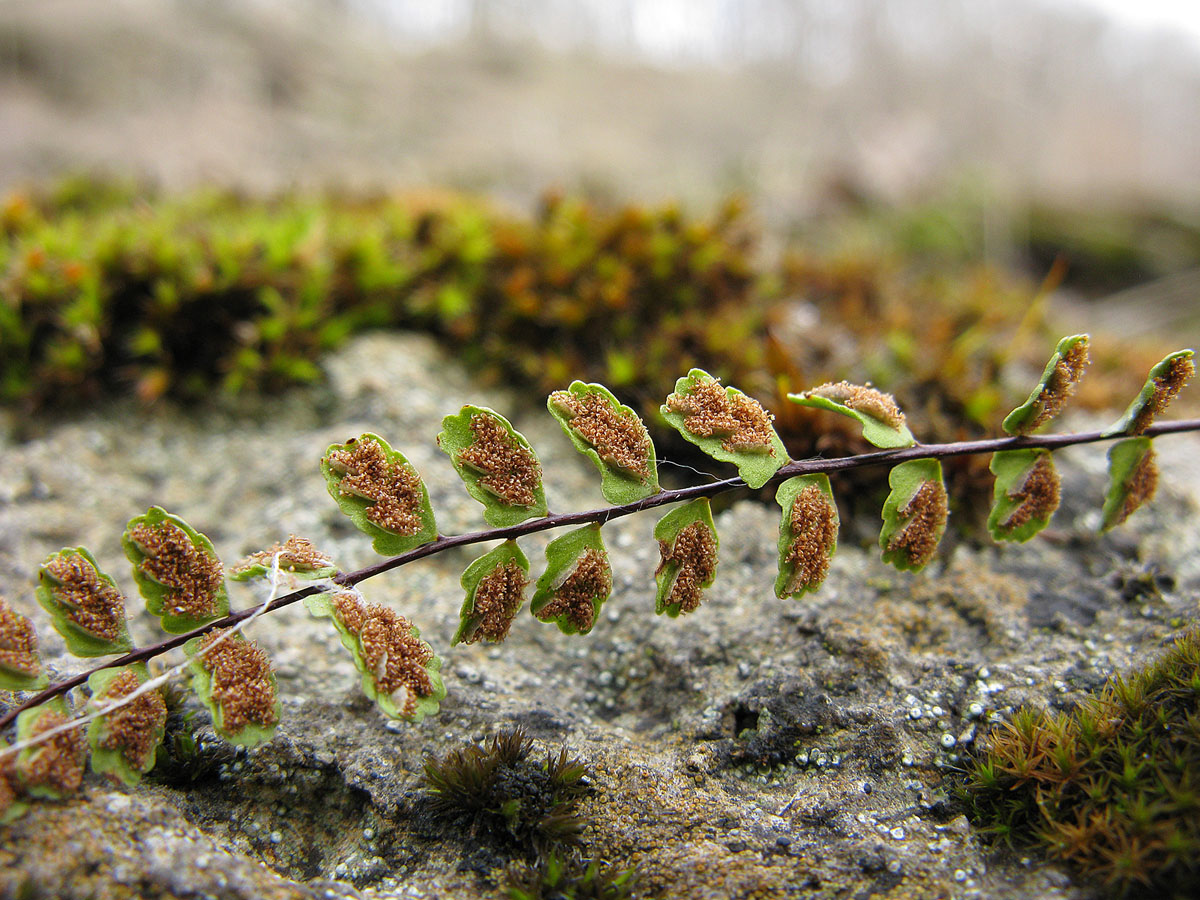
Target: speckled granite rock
{"x":757,"y":748}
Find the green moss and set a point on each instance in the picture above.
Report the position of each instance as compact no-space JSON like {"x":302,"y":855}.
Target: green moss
{"x":495,"y":792}
{"x":1112,"y":788}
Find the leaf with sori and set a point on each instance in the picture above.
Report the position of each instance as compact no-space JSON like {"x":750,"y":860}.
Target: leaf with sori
{"x":296,"y":557}
{"x":1062,"y":373}
{"x":613,"y":436}
{"x":807,"y":534}
{"x":1026,"y":493}
{"x":1132,"y":480}
{"x":51,"y":768}
{"x":400,"y":672}
{"x":576,"y":582}
{"x":85,"y":606}
{"x":176,"y":570}
{"x":883,"y":423}
{"x":124,"y":742}
{"x":687,"y":543}
{"x":495,"y":585}
{"x":12,"y":807}
{"x":1166,"y":379}
{"x":20,"y":664}
{"x":914,"y":514}
{"x":496,"y":463}
{"x":381,"y":492}
{"x":727,"y":425}
{"x":233,"y":678}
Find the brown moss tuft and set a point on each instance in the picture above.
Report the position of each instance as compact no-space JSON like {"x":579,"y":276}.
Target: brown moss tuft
{"x":863,"y":399}
{"x":1061,"y":385}
{"x":709,"y":411}
{"x":8,"y":782}
{"x":1038,"y":494}
{"x":814,"y":529}
{"x":393,"y":489}
{"x":695,"y":552}
{"x":618,"y":435}
{"x":296,"y":553}
{"x":1139,"y":488}
{"x":88,"y":600}
{"x":925,"y":517}
{"x":191,"y":576}
{"x":1166,"y":388}
{"x":498,"y":597}
{"x":18,"y":642}
{"x":510,"y":471}
{"x":57,"y":763}
{"x":133,"y":728}
{"x":241,"y":681}
{"x":395,"y":656}
{"x":575,"y":597}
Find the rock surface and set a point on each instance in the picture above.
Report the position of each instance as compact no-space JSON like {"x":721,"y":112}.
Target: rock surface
{"x":755,"y":748}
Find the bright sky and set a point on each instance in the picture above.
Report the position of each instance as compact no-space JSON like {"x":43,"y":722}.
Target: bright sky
{"x":1183,"y":15}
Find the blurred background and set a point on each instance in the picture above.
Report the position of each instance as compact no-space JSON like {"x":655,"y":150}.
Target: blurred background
{"x":208,"y":193}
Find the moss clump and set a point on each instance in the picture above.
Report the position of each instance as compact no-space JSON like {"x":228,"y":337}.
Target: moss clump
{"x":494,"y":792}
{"x":1113,"y":787}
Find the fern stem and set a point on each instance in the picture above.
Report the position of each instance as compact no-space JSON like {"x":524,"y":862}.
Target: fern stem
{"x":602,"y":515}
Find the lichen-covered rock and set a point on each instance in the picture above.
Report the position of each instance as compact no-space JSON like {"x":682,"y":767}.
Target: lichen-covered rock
{"x":757,"y":747}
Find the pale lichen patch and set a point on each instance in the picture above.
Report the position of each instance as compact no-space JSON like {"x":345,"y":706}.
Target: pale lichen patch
{"x":241,"y":681}
{"x":395,"y":657}
{"x":191,"y":575}
{"x":814,"y":526}
{"x":694,"y":551}
{"x":87,"y":599}
{"x":510,"y":470}
{"x":393,"y":489}
{"x":575,"y":597}
{"x":618,"y":436}
{"x":710,"y":412}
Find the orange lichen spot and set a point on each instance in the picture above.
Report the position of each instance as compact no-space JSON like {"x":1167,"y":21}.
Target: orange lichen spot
{"x":393,"y":488}
{"x":575,"y":597}
{"x":510,"y":471}
{"x":709,"y":411}
{"x":241,"y":681}
{"x":862,"y":398}
{"x":1139,"y":488}
{"x":1061,"y":384}
{"x":90,"y":602}
{"x":1038,"y":493}
{"x":295,"y":554}
{"x":393,"y":654}
{"x":814,"y":527}
{"x":618,"y":435}
{"x":498,"y":596}
{"x":1166,"y":387}
{"x":192,"y":575}
{"x":694,"y":551}
{"x":924,"y":518}
{"x":56,"y":764}
{"x":133,"y":728}
{"x":18,"y":642}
